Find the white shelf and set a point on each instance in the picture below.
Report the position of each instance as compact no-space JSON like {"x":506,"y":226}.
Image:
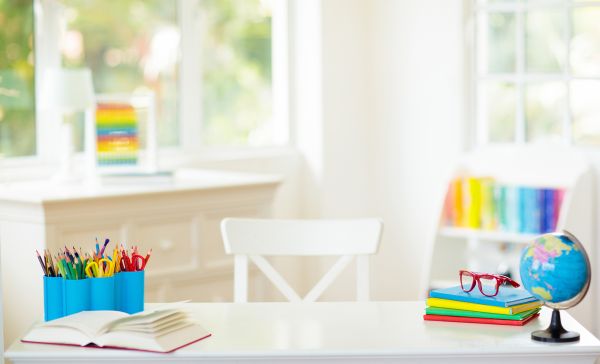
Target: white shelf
{"x":487,"y":235}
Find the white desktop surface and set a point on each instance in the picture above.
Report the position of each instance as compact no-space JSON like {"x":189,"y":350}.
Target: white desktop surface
{"x":340,"y":332}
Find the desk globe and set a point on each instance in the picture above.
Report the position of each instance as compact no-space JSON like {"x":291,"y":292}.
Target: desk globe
{"x":555,"y":268}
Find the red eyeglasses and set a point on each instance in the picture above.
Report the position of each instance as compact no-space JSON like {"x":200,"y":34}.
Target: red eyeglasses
{"x":488,"y":284}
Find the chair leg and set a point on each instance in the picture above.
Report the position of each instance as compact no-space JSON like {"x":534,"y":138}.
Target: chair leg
{"x":240,"y":279}
{"x":362,"y":278}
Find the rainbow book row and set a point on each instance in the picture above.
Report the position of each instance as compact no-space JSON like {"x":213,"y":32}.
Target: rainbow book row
{"x":482,"y":203}
{"x":117,"y":134}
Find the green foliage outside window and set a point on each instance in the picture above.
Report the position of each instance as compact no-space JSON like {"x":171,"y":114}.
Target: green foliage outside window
{"x":17,"y":106}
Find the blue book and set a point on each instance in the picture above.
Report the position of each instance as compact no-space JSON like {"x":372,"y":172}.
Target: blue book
{"x":507,"y":296}
{"x":548,"y":210}
{"x":512,"y":206}
{"x":531,"y":210}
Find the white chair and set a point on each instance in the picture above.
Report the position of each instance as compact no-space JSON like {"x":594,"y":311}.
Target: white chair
{"x":254,"y":238}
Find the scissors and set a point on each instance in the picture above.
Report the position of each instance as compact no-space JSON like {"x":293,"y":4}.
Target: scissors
{"x":134,"y":264}
{"x":100,"y":269}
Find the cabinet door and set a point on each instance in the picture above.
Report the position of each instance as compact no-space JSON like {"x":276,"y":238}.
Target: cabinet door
{"x":175,"y":244}
{"x":84,"y":235}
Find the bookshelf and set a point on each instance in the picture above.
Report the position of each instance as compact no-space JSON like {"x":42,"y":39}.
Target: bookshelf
{"x":494,"y":250}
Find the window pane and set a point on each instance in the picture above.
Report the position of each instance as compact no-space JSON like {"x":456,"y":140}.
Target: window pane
{"x":496,"y":45}
{"x":585,"y":44}
{"x":17,"y":106}
{"x":236,"y":71}
{"x":544,"y":41}
{"x":497,"y":108}
{"x":544,"y":111}
{"x":586,"y":112}
{"x":131,"y":46}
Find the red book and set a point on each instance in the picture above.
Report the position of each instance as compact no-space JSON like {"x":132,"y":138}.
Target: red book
{"x":477,"y":320}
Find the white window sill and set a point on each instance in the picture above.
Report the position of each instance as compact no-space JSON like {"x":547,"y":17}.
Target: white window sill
{"x":34,"y":168}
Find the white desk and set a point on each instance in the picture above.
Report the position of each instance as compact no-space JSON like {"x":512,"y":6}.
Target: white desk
{"x":339,"y":333}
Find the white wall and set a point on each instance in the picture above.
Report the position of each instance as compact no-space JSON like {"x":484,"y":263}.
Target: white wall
{"x":417,"y":71}
{"x":383,"y":127}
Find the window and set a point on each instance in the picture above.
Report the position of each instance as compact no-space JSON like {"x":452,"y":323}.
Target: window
{"x":17,"y":96}
{"x":211,"y":64}
{"x":537,"y":71}
{"x":131,"y":46}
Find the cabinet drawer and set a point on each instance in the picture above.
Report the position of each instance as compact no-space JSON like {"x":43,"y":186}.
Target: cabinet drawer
{"x":174,"y":244}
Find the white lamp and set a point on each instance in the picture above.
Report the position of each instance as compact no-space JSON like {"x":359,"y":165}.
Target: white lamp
{"x":71,"y":91}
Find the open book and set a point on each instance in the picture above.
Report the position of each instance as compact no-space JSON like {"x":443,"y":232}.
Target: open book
{"x":161,"y":330}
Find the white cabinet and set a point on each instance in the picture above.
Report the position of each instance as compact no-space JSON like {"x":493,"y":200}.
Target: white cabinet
{"x":179,"y":220}
{"x":484,"y":250}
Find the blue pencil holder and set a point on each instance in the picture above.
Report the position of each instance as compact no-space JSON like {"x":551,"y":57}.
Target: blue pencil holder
{"x":102,"y":293}
{"x":53,"y":298}
{"x":76,"y":295}
{"x":130,"y":291}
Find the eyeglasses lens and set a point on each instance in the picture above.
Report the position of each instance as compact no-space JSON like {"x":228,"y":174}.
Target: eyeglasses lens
{"x":488,"y":285}
{"x":466,"y":281}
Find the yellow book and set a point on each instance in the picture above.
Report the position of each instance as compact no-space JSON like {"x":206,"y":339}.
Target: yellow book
{"x":488,"y":216}
{"x":467,"y":306}
{"x":472,"y":202}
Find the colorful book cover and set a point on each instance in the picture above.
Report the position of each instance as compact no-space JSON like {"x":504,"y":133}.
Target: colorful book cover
{"x":472,"y":202}
{"x":475,"y":320}
{"x":448,"y":212}
{"x":488,"y":215}
{"x":511,"y":205}
{"x":547,"y":221}
{"x":467,"y":306}
{"x":460,"y":313}
{"x":457,"y":201}
{"x":530,"y":208}
{"x":506,"y":297}
{"x":500,"y":205}
{"x":559,"y":195}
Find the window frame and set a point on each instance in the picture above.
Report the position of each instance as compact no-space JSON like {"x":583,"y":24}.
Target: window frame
{"x":520,"y":78}
{"x":47,"y":54}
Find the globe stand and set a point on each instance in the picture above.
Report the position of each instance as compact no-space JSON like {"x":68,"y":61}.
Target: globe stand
{"x":555,"y":333}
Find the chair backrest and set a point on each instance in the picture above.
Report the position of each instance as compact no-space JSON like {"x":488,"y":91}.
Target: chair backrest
{"x":251,"y":239}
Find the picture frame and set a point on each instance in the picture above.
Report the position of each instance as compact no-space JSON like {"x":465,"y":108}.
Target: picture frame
{"x":125,"y":134}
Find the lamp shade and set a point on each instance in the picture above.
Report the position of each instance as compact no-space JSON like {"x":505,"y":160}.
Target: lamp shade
{"x":68,"y":89}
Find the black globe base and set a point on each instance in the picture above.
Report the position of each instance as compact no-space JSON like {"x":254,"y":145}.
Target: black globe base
{"x":555,"y":333}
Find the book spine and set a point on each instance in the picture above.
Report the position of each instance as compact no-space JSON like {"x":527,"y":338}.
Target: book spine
{"x":500,"y":203}
{"x":547,"y":224}
{"x":445,"y":303}
{"x":474,"y":300}
{"x":559,"y":195}
{"x":512,"y":209}
{"x":457,"y":202}
{"x":488,"y":216}
{"x":476,"y":320}
{"x":448,"y":212}
{"x":473,"y":202}
{"x":532,"y":210}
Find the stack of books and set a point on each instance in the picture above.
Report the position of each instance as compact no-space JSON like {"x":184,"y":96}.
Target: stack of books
{"x":512,"y":306}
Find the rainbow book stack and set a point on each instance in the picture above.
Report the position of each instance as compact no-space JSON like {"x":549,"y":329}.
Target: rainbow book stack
{"x":117,"y":133}
{"x":512,"y":306}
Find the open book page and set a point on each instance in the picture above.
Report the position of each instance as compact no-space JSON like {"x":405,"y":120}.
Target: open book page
{"x":146,"y":320}
{"x":166,"y":341}
{"x":80,"y":328}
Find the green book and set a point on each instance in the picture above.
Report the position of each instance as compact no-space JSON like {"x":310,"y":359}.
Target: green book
{"x":450,"y":312}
